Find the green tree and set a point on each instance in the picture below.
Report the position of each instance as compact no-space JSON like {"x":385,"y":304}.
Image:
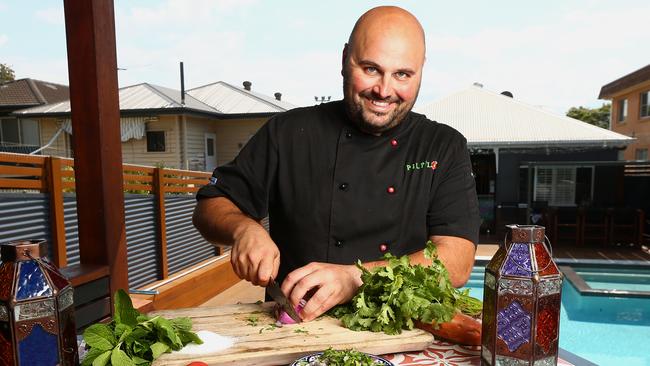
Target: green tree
{"x":6,"y":73}
{"x":595,"y":116}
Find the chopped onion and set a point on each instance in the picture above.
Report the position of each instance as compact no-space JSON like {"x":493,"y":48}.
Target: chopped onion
{"x":284,"y":318}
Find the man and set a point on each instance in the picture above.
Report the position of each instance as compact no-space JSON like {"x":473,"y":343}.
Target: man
{"x":348,"y":180}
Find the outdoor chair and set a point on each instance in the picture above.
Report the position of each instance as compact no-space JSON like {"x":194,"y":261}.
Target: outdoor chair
{"x":595,"y":226}
{"x":566,"y":226}
{"x":626,"y":226}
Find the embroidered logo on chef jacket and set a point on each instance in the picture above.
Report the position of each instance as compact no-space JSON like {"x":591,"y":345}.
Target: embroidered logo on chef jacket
{"x":422,"y":165}
{"x":213,"y":180}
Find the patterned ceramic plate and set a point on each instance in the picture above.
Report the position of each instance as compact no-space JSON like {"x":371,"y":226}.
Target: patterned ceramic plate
{"x":307,"y":360}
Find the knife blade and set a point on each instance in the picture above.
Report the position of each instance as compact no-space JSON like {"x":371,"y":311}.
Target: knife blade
{"x":278,"y":296}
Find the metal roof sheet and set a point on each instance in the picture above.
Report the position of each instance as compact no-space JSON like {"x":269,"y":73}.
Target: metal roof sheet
{"x":231,"y":99}
{"x":489,"y":119}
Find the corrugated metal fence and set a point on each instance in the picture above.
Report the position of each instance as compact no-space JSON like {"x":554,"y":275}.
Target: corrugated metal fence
{"x":26,"y":213}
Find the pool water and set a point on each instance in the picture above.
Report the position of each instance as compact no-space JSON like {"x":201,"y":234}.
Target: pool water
{"x":630,"y":279}
{"x":603,"y":330}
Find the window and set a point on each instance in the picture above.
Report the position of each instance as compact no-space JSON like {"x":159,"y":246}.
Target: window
{"x":622,"y":110}
{"x":16,"y":132}
{"x":645,"y":104}
{"x":556,"y":185}
{"x":641,"y":154}
{"x":155,"y":141}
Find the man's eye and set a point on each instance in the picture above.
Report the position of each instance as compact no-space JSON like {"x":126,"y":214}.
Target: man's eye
{"x":401,"y":75}
{"x":371,"y":70}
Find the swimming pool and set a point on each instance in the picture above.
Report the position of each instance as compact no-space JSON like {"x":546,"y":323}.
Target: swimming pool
{"x":604,"y":329}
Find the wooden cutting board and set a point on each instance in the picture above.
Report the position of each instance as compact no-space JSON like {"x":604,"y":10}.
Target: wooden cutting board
{"x":261,"y":345}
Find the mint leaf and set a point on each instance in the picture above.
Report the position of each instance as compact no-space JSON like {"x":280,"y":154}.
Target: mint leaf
{"x":120,"y":358}
{"x":158,"y":349}
{"x":91,"y":355}
{"x":124,"y":311}
{"x":102,"y":359}
{"x":100,"y":336}
{"x":183,"y":323}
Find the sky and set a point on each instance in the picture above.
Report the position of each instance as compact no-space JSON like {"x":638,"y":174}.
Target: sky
{"x":553,"y":54}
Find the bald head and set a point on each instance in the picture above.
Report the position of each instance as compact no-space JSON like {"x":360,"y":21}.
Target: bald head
{"x":382,"y":68}
{"x":387,"y":22}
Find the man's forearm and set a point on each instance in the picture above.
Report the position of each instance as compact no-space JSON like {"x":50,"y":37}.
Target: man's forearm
{"x":457,"y":254}
{"x":220,"y":221}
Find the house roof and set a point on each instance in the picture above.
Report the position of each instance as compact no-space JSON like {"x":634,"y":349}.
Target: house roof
{"x":231,"y":99}
{"x":488,"y":119}
{"x":219,"y":98}
{"x":639,"y":76}
{"x":27,"y":92}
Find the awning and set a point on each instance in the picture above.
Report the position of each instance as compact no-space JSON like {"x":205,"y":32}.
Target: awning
{"x":130,"y":127}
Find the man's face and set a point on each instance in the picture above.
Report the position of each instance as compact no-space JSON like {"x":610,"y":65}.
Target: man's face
{"x":381,"y":80}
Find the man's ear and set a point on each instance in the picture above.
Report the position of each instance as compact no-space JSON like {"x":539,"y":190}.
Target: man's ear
{"x":343,"y":58}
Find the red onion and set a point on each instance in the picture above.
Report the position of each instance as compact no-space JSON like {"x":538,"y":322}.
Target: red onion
{"x":284,"y":318}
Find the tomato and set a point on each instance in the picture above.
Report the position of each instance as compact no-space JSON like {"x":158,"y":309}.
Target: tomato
{"x":197,"y":363}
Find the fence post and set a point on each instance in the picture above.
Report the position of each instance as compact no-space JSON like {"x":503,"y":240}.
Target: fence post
{"x":57,"y":223}
{"x":159,"y":192}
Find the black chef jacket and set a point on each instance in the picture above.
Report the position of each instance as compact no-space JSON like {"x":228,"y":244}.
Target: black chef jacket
{"x":335,"y":194}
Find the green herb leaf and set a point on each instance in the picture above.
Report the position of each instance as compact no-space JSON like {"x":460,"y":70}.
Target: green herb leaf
{"x":158,"y":349}
{"x":100,"y":336}
{"x":120,"y":358}
{"x":91,"y":355}
{"x":102,"y":359}
{"x":124,"y":311}
{"x":393,"y":296}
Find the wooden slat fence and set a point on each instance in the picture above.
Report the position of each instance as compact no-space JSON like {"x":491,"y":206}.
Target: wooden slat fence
{"x":54,"y":176}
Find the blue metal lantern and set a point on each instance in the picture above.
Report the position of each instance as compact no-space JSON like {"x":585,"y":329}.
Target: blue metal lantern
{"x":37,"y":324}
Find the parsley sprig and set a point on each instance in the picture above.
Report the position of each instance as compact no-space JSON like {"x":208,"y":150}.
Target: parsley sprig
{"x":348,"y":357}
{"x":135,"y":339}
{"x":392,"y":297}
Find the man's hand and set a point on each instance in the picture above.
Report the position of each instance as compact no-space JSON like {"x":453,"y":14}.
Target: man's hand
{"x":329,"y":284}
{"x":254,"y":256}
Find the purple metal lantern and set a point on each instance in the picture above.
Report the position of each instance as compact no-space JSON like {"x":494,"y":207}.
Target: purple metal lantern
{"x":37,"y":324}
{"x":521,"y":302}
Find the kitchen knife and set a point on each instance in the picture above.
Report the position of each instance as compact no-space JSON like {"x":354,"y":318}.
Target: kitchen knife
{"x":278,"y":296}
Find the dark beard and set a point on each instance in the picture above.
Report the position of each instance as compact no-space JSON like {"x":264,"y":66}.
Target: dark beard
{"x":355,"y":112}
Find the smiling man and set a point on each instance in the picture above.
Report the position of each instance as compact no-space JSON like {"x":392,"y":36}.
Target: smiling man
{"x":348,"y":180}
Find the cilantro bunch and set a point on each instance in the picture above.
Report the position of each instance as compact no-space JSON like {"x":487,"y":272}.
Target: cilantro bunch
{"x":135,"y":339}
{"x":392,"y":297}
{"x":348,"y":357}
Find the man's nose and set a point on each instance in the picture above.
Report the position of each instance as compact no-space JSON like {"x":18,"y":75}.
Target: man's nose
{"x":383,"y":87}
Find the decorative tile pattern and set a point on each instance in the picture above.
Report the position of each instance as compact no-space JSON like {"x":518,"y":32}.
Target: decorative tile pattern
{"x":513,"y":325}
{"x":548,"y":361}
{"x":490,"y":280}
{"x":487,"y":355}
{"x":509,"y":361}
{"x":517,"y":287}
{"x":31,"y":281}
{"x":518,"y":261}
{"x":32,"y":310}
{"x":549,"y":287}
{"x":65,"y":299}
{"x":4,"y":313}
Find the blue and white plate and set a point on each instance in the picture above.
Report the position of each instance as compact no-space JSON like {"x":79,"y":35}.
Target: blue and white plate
{"x":314,"y":356}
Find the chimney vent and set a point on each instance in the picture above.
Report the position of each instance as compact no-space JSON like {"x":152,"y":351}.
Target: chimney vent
{"x":278,"y":96}
{"x":477,"y":84}
{"x":247,"y":85}
{"x":506,"y":93}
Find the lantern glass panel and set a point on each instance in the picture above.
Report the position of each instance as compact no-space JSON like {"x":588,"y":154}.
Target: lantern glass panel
{"x":513,"y":325}
{"x":6,"y":280}
{"x":4,"y":314}
{"x":518,"y":262}
{"x":38,"y":348}
{"x":31,"y":281}
{"x":544,"y":263}
{"x":57,"y":280}
{"x":6,"y":348}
